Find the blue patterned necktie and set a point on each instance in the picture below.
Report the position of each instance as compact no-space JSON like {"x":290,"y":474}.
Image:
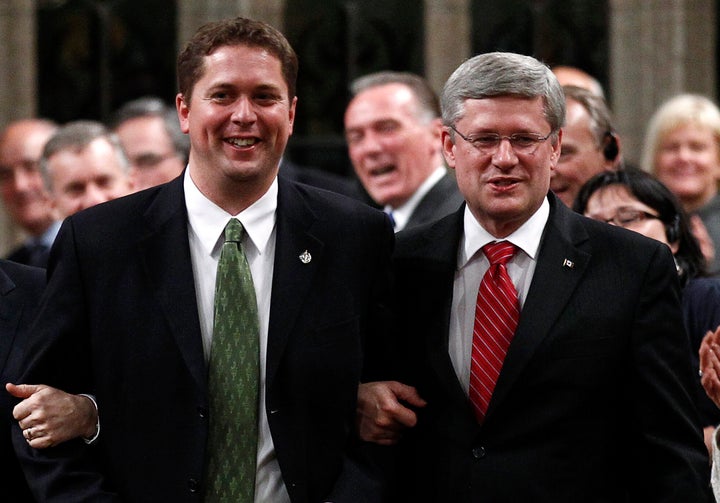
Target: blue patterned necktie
{"x":233,"y":378}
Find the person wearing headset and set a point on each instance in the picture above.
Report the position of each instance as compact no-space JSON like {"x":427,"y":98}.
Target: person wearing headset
{"x":590,"y":144}
{"x":638,"y":201}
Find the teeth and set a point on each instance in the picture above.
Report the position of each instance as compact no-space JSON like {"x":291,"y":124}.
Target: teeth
{"x":382,"y":171}
{"x":242,"y":142}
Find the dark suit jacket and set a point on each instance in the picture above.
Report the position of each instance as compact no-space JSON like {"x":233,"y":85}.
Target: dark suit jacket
{"x":701,"y":312}
{"x":120,"y":321}
{"x":593,"y":401}
{"x":444,"y":198}
{"x":20,"y":291}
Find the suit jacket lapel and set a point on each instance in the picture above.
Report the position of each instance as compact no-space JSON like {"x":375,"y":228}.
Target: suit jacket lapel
{"x":166,"y":254}
{"x":436,"y":275}
{"x":561,"y":264}
{"x":292,"y":274}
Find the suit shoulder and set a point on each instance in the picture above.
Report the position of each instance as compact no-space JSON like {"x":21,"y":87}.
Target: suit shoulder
{"x":332,"y":204}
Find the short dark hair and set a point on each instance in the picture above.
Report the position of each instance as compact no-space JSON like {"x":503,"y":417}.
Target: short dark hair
{"x":231,"y":32}
{"x":652,"y":192}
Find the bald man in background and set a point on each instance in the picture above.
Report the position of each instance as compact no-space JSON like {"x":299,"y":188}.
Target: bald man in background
{"x":573,"y":76}
{"x":23,"y":193}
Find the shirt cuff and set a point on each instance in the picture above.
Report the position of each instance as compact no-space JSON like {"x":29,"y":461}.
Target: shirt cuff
{"x":97,"y":425}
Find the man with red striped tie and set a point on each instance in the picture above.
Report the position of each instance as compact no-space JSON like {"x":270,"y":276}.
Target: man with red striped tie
{"x":548,"y":349}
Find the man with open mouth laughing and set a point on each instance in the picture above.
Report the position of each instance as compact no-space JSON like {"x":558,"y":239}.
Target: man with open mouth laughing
{"x":392,"y":128}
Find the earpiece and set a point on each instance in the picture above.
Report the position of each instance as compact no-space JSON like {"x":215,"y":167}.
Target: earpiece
{"x":672,"y":230}
{"x":610,"y":146}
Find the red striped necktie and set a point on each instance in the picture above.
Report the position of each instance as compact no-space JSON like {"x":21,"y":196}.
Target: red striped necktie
{"x":496,"y":317}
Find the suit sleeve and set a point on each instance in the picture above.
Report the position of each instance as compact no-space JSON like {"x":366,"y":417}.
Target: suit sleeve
{"x":362,"y":479}
{"x":58,"y":354}
{"x":667,"y":457}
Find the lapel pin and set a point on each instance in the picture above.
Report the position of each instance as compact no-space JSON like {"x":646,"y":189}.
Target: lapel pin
{"x":305,"y":257}
{"x":568,"y":263}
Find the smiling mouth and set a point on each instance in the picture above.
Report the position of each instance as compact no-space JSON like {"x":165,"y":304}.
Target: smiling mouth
{"x":503,"y":183}
{"x":383,"y":170}
{"x":242,"y":142}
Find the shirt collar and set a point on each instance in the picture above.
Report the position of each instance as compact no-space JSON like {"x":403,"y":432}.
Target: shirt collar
{"x":208,"y":220}
{"x":402,"y":213}
{"x":48,"y":237}
{"x":526,"y":238}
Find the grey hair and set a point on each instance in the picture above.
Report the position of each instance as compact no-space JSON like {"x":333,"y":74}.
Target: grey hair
{"x":427,"y":100}
{"x":151,"y":106}
{"x":503,"y":74}
{"x":596,"y":108}
{"x":76,"y":136}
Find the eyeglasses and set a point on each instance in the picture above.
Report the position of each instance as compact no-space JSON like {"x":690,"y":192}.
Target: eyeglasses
{"x":488,"y":143}
{"x":625,"y":217}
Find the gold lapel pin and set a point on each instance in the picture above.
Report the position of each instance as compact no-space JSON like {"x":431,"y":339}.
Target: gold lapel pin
{"x":568,"y":263}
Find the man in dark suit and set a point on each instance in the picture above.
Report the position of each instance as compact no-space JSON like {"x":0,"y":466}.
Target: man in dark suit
{"x":591,"y":399}
{"x":20,"y":290}
{"x":392,"y":129}
{"x":128,"y":314}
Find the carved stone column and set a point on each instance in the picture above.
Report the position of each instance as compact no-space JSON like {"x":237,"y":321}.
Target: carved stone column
{"x":192,"y":14}
{"x":17,"y":81}
{"x":658,"y":48}
{"x":447,"y":38}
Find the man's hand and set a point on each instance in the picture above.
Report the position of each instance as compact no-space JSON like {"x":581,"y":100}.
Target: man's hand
{"x":698,"y":229}
{"x":381,"y":416}
{"x":49,"y":416}
{"x":710,"y":365}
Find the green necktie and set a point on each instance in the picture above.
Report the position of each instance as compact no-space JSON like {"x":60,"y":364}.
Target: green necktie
{"x":233,"y":378}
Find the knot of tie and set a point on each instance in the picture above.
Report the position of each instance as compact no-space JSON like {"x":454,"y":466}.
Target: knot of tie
{"x":499,"y":252}
{"x":233,"y":231}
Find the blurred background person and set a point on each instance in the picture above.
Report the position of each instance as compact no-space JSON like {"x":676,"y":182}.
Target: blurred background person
{"x":682,"y":148}
{"x":637,"y":201}
{"x":156,"y":147}
{"x":590,"y":144}
{"x":392,"y":128}
{"x":83,"y":164}
{"x":23,"y":192}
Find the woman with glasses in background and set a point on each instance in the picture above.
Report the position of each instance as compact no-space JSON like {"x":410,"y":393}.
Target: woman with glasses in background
{"x":637,"y":201}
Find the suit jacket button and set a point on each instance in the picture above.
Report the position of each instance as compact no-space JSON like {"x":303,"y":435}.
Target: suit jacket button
{"x":478,"y":452}
{"x":202,"y":412}
{"x":193,"y":485}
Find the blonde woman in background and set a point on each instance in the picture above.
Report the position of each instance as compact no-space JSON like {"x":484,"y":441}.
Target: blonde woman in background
{"x":682,"y":149}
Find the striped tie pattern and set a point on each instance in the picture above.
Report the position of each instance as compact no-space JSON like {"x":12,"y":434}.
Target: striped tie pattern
{"x":496,"y":317}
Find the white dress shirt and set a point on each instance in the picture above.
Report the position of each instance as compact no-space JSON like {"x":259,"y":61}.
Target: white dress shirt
{"x":471,"y":266}
{"x":206,"y":224}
